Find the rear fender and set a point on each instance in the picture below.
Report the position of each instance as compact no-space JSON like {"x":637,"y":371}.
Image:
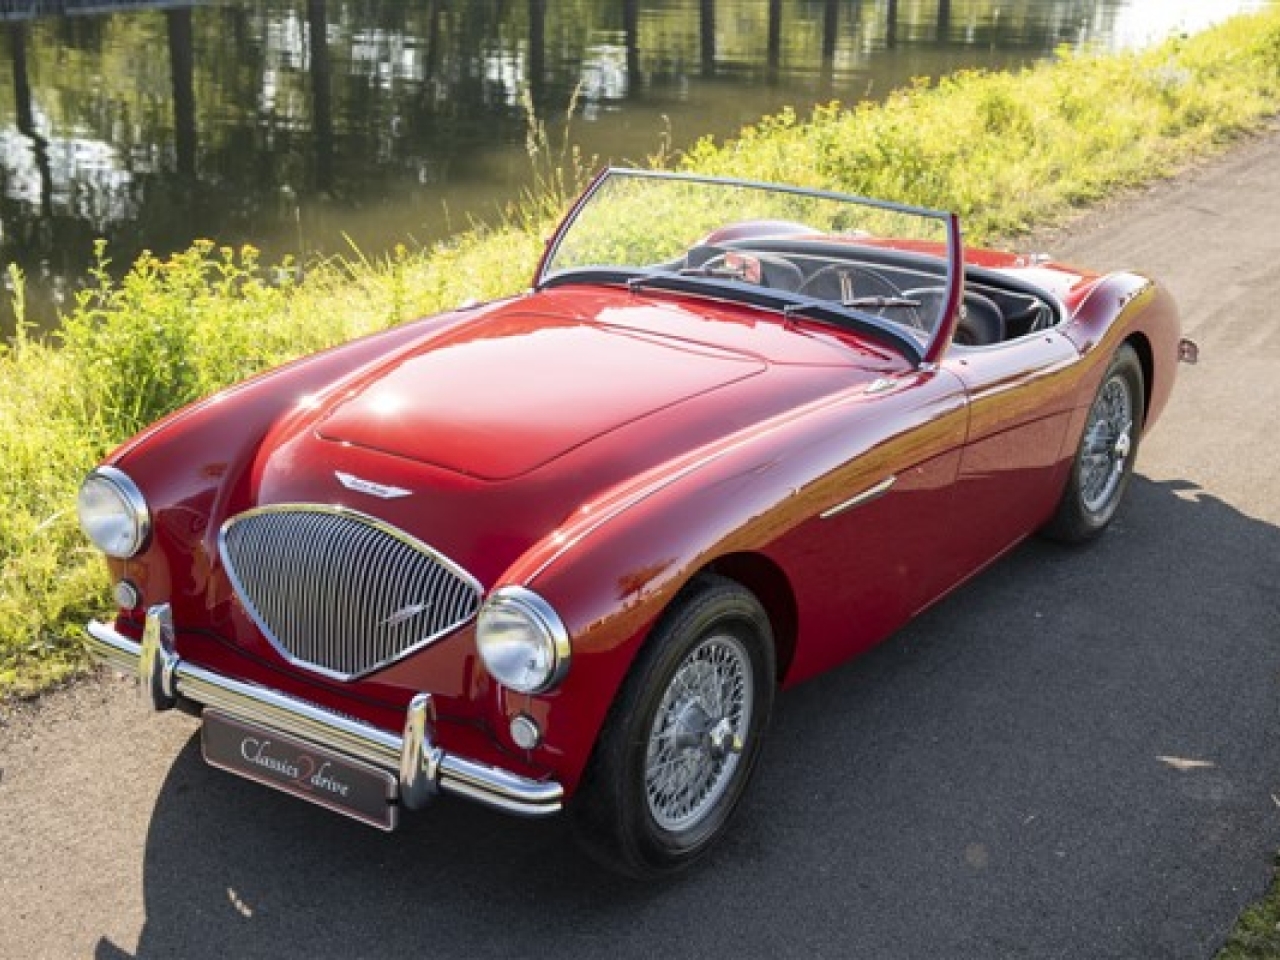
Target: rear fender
{"x":1129,"y":306}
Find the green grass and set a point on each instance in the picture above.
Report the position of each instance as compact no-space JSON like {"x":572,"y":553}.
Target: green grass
{"x":1257,"y":932}
{"x":1009,"y":151}
{"x":130,"y":351}
{"x":1006,"y":151}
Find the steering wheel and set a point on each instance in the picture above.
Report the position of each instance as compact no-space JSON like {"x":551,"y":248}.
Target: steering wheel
{"x":730,"y":265}
{"x":864,"y":289}
{"x":760,"y":269}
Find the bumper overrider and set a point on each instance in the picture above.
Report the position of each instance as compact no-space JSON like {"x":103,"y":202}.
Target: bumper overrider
{"x":416,"y":768}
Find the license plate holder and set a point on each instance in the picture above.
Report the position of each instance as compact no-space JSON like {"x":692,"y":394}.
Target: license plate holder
{"x":339,"y":783}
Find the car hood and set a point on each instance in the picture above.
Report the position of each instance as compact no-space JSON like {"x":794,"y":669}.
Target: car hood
{"x":507,"y":397}
{"x":482,"y":438}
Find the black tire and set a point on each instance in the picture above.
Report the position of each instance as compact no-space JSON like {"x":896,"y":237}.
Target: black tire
{"x":663,"y":746}
{"x":1104,"y":460}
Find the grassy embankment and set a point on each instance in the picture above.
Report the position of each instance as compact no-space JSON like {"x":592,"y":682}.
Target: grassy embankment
{"x":1005,"y":151}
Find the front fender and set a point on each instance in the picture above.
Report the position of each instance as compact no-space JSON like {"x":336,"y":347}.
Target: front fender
{"x":612,"y":577}
{"x":195,"y":466}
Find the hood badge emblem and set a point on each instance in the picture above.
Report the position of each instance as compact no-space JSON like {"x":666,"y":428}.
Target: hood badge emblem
{"x":403,"y":614}
{"x":360,"y":485}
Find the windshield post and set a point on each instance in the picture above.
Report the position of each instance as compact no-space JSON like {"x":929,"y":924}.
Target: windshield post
{"x":950,"y":318}
{"x":549,"y":251}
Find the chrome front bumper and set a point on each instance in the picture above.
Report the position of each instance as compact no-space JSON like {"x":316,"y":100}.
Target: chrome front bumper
{"x":421,"y":768}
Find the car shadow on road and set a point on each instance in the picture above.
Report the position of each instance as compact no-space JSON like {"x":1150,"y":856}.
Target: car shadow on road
{"x":1074,"y":754}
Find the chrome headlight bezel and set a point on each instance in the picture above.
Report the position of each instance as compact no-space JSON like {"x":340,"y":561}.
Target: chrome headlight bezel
{"x":522,"y":641}
{"x":119,"y":522}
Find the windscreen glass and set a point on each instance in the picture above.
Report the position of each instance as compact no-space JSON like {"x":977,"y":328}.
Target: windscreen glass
{"x":880,"y":261}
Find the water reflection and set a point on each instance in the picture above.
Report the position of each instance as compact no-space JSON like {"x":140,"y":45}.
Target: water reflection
{"x":306,"y":125}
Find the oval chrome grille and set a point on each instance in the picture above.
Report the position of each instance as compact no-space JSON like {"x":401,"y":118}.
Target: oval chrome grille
{"x":339,"y":591}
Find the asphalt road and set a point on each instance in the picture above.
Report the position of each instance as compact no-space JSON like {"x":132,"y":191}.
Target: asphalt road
{"x":1077,"y":755}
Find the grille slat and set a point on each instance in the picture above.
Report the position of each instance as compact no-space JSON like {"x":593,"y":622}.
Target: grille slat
{"x":340,"y":591}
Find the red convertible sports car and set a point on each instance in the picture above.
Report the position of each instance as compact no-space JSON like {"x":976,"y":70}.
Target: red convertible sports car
{"x":560,"y":551}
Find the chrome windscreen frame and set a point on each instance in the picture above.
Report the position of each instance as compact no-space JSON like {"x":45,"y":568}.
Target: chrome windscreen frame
{"x":925,"y":355}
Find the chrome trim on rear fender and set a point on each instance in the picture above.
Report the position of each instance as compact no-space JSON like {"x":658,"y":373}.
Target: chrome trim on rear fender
{"x":421,"y":767}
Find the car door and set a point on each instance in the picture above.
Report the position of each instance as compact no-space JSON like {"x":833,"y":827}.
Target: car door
{"x":1015,"y":455}
{"x":876,"y":545}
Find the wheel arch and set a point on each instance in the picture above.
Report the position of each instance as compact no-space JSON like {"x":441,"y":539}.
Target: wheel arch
{"x":1146,"y":360}
{"x":1128,"y":308}
{"x":608,"y":805}
{"x":603,"y":672}
{"x":772,"y":588}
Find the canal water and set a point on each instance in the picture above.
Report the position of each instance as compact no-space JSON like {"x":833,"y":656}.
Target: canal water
{"x":313,"y":127}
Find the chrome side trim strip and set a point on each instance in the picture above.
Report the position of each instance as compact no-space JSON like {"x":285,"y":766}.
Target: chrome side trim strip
{"x":421,"y":767}
{"x":866,"y":496}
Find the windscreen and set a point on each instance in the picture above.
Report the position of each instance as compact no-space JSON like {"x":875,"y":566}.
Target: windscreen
{"x":867,"y":258}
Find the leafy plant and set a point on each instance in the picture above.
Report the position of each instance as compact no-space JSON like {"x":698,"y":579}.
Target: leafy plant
{"x":1002,"y":150}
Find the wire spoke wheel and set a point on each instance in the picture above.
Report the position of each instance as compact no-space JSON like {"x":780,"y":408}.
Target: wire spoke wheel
{"x":1105,"y":454}
{"x":1107,"y":444}
{"x":683,"y":735}
{"x":698,"y":733}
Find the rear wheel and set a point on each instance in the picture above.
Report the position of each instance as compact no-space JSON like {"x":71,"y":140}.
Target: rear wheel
{"x":682,"y":737}
{"x":1105,"y":457}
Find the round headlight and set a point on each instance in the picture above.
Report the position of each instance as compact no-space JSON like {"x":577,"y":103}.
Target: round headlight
{"x":522,"y":641}
{"x":113,"y":514}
